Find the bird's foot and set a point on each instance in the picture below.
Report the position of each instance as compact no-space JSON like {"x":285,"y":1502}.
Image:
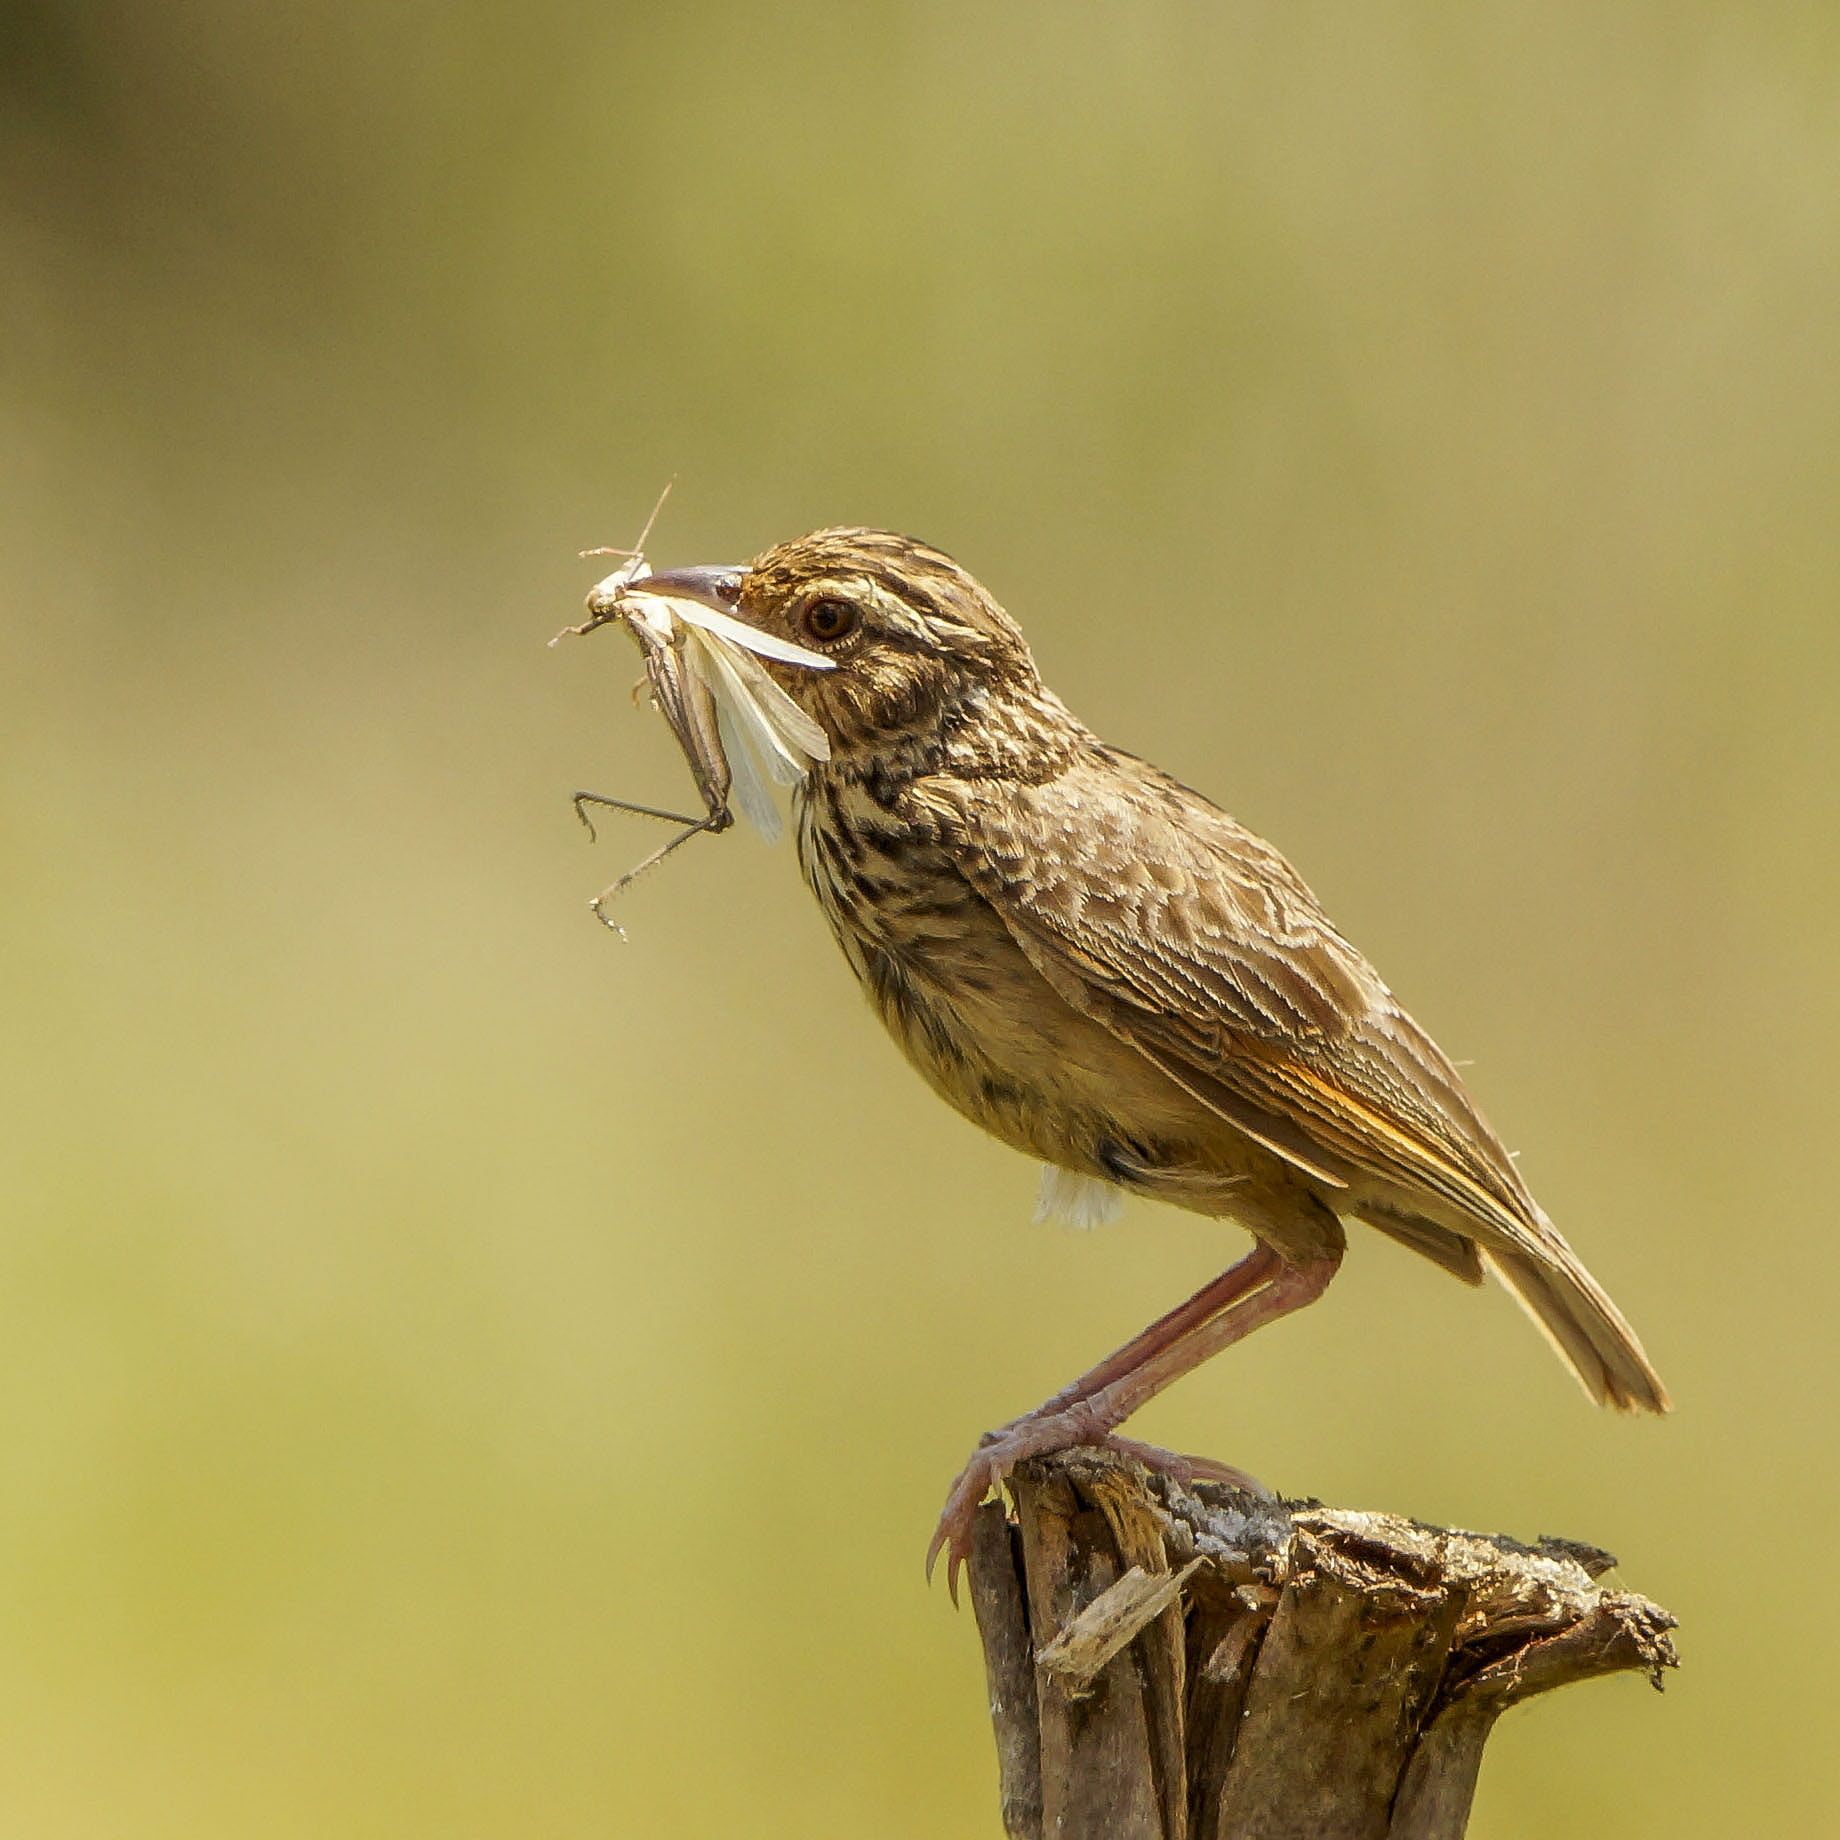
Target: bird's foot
{"x":1035,"y":1434}
{"x":1186,"y":1469}
{"x":1040,"y":1434}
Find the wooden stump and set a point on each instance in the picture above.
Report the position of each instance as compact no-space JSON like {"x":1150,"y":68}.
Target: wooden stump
{"x":1195,"y":1663}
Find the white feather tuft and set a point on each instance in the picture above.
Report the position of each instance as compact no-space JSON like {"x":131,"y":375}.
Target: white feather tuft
{"x":1081,"y":1201}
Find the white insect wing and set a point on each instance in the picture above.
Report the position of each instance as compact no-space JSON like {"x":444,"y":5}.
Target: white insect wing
{"x":746,"y":787}
{"x":784,"y":764}
{"x":765,"y":735}
{"x":749,"y":638}
{"x":793,"y":726}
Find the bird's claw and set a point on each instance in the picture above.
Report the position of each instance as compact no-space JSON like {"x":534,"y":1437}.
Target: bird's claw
{"x":999,"y":1452}
{"x":986,"y":1470}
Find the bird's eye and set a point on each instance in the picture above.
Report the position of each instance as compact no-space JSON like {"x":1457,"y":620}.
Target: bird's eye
{"x":830,"y":620}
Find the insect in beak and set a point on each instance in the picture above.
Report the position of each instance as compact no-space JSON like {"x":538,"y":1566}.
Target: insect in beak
{"x":736,"y":727}
{"x":714,"y":587}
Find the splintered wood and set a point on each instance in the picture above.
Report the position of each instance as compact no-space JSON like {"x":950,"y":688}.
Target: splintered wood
{"x":1194,"y":1663}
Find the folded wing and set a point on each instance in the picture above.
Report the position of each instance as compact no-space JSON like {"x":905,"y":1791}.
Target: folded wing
{"x":1195,"y":941}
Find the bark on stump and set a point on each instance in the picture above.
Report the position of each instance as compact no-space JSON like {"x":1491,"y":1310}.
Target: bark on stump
{"x":1195,"y":1663}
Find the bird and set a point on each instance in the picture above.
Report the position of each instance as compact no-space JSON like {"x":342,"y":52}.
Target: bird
{"x":1106,"y":971}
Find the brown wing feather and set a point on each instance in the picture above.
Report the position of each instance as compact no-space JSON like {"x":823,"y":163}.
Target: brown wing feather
{"x":1197,"y":942}
{"x":1157,"y":914}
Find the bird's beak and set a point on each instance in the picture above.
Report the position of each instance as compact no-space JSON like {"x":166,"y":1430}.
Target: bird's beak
{"x":717,"y":588}
{"x":713,"y":585}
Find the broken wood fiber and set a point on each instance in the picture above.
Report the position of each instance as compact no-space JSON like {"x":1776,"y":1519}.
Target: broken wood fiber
{"x":1170,"y":1662}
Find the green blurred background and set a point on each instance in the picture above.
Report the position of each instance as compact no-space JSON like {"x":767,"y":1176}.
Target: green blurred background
{"x":464,"y":1375}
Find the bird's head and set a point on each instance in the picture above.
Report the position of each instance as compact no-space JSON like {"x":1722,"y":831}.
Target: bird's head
{"x":913,"y":637}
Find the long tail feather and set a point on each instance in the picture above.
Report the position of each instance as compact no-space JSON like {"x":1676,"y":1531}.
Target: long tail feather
{"x":1568,"y":1307}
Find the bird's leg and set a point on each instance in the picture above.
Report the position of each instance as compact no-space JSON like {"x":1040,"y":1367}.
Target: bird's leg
{"x":1258,"y":1290}
{"x":1258,"y":1267}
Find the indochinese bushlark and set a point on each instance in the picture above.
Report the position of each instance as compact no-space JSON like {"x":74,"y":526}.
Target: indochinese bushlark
{"x":1103,"y":969}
